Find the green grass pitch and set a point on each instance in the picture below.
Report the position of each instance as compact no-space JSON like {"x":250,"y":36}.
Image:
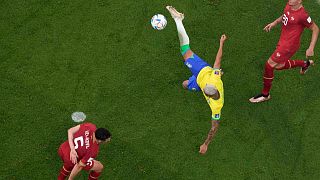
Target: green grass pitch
{"x":102,"y":57}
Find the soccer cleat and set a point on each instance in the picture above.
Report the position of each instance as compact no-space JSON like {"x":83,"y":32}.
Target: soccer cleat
{"x":174,"y":13}
{"x":304,"y":69}
{"x":259,"y":98}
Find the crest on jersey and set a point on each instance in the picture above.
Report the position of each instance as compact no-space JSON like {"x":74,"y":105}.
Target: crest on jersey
{"x":292,"y":18}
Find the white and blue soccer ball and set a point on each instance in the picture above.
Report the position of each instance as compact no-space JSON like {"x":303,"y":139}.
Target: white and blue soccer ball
{"x":158,"y":22}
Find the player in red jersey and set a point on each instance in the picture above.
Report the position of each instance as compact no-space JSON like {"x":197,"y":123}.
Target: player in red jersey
{"x":80,"y":150}
{"x":294,"y":20}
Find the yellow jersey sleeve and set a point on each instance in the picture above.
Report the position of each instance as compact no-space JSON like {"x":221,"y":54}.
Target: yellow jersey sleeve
{"x":215,"y":106}
{"x":216,"y":112}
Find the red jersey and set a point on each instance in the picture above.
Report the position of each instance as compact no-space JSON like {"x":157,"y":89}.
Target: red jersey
{"x":293,"y":24}
{"x":86,"y":149}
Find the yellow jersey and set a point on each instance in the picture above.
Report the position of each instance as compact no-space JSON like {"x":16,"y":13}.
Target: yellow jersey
{"x":209,"y":75}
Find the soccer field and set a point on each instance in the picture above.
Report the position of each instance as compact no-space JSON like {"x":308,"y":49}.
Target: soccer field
{"x":102,"y":57}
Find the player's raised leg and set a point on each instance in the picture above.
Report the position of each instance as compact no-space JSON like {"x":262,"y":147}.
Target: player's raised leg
{"x":183,"y":36}
{"x":304,"y":65}
{"x":96,"y":170}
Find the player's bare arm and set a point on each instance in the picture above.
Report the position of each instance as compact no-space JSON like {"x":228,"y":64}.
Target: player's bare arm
{"x":73,"y":153}
{"x":273,"y":24}
{"x":315,"y":32}
{"x":217,"y":62}
{"x":211,"y":134}
{"x":76,"y":169}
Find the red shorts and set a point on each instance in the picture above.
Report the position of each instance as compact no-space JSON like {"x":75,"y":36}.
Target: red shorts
{"x":280,"y":55}
{"x":64,"y":153}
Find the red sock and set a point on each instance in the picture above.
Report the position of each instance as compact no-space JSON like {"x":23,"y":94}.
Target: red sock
{"x":293,"y":64}
{"x":267,"y":78}
{"x":94,"y":175}
{"x":63,"y":173}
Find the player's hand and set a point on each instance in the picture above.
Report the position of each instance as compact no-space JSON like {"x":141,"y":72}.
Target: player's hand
{"x":223,"y":38}
{"x":73,"y":156}
{"x":203,"y":148}
{"x":269,"y":27}
{"x":309,"y":52}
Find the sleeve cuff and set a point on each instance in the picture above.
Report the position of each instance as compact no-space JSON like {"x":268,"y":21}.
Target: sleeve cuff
{"x":216,"y":117}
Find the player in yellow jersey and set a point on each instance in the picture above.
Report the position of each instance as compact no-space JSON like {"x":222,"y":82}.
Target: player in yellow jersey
{"x":204,"y":77}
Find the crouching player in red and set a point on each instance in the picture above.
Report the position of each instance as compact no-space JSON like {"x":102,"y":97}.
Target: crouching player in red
{"x":294,"y":20}
{"x":80,"y":150}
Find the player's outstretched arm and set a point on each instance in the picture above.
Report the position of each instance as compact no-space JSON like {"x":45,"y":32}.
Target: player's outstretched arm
{"x":315,"y":32}
{"x":76,"y":169}
{"x":211,"y":134}
{"x":73,"y":153}
{"x":217,"y":62}
{"x":273,"y":24}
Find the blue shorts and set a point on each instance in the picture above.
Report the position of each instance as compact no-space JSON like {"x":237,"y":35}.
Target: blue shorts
{"x":195,"y":64}
{"x":192,"y":84}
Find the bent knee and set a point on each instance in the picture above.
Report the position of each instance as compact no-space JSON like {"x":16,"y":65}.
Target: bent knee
{"x":185,"y":84}
{"x":188,"y":54}
{"x":279,"y":66}
{"x":272,"y":63}
{"x":98,"y":166}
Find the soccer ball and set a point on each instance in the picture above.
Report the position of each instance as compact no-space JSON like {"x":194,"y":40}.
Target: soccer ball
{"x":158,"y":22}
{"x":78,"y":116}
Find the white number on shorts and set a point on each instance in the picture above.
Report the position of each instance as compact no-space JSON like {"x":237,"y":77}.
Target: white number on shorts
{"x":90,"y":161}
{"x":76,"y":140}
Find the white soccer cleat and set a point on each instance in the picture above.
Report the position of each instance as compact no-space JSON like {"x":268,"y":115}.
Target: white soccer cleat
{"x":259,"y":98}
{"x":174,"y":13}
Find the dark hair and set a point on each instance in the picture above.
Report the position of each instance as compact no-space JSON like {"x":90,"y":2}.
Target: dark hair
{"x":102,"y":134}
